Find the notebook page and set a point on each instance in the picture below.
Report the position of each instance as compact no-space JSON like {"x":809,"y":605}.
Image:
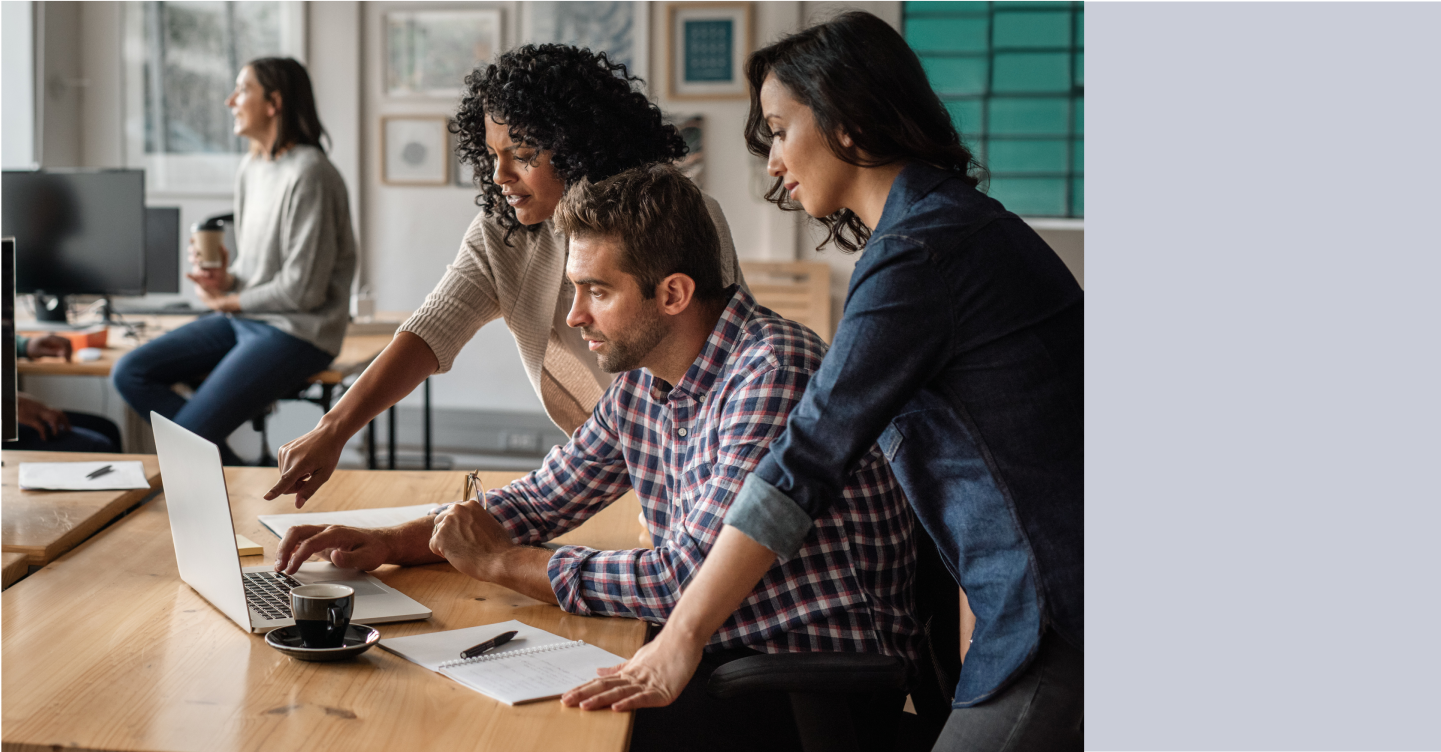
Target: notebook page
{"x":533,"y":675}
{"x":434,"y":648}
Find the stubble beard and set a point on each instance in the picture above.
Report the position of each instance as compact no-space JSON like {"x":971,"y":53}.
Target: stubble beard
{"x":627,"y":352}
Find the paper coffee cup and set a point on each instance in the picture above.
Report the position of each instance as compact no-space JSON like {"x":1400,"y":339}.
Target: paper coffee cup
{"x":207,"y":243}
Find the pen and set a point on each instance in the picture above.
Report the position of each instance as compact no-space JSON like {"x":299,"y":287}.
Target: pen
{"x":488,"y":645}
{"x":100,"y":472}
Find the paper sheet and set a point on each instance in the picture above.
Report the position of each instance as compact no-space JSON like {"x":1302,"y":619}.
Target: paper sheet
{"x":70,"y":476}
{"x":383,"y":517}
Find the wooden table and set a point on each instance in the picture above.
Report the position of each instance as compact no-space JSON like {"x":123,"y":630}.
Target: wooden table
{"x":42,"y":525}
{"x":14,"y":566}
{"x":107,"y":649}
{"x":356,"y":353}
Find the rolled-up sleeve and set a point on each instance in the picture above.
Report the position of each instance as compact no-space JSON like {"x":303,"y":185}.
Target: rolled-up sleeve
{"x":888,"y":345}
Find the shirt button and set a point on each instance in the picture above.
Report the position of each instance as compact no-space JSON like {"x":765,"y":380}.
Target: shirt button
{"x":681,"y":432}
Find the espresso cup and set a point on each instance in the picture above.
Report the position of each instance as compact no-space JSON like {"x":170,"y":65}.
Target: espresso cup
{"x":322,"y":614}
{"x":207,"y":244}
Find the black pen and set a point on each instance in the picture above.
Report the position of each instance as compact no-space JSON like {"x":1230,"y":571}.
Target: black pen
{"x":101,"y":471}
{"x":490,"y":644}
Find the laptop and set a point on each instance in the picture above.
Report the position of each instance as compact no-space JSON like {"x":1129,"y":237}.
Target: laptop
{"x":256,"y":598}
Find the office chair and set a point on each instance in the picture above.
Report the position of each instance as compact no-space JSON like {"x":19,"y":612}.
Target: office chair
{"x":840,"y":700}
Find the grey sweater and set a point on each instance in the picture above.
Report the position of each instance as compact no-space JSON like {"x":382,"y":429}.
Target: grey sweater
{"x":296,"y":254}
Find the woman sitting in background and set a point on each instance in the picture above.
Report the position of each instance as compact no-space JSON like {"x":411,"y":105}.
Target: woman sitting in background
{"x":282,"y":307}
{"x":537,"y":120}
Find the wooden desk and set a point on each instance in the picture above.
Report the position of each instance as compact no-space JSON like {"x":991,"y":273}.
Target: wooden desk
{"x":42,"y":525}
{"x":356,"y":351}
{"x":107,"y":649}
{"x":14,"y":566}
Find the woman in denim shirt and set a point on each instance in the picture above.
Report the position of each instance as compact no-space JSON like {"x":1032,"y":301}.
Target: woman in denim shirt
{"x":960,"y":350}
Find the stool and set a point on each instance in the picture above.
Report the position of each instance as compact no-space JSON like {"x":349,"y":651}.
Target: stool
{"x":328,"y":381}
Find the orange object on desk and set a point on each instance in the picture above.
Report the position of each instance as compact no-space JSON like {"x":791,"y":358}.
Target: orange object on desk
{"x":95,"y":336}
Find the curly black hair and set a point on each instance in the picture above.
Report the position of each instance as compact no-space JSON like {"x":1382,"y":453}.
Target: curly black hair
{"x":574,"y":103}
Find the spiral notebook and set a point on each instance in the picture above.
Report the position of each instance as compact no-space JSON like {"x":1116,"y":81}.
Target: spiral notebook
{"x":536,"y":665}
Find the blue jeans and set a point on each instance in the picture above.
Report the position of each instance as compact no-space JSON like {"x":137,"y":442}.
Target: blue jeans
{"x":237,"y":366}
{"x":88,"y":433}
{"x":1040,"y":711}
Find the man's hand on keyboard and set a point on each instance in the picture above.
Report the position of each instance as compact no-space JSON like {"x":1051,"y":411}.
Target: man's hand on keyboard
{"x":348,"y":547}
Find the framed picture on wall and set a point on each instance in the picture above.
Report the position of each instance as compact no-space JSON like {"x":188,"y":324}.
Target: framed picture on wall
{"x":707,"y":44}
{"x":620,"y":29}
{"x":414,"y":150}
{"x":430,"y":52}
{"x":462,"y":175}
{"x":692,"y":129}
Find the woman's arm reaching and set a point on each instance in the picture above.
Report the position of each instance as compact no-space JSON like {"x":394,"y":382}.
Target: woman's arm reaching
{"x":307,"y":462}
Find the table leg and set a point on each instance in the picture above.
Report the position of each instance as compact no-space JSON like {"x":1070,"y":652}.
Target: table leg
{"x":427,"y":423}
{"x":390,"y":432}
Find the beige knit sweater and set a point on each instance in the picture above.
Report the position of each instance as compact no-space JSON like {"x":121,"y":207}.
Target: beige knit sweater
{"x":525,"y":284}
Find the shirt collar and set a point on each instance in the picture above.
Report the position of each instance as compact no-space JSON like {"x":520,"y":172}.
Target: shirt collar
{"x":914,"y":181}
{"x":716,"y":352}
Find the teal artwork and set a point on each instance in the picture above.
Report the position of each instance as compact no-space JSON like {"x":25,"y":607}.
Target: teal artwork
{"x":1012,"y":75}
{"x":709,"y":46}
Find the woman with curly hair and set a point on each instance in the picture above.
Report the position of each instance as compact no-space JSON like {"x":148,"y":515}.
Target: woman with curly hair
{"x":539,"y":119}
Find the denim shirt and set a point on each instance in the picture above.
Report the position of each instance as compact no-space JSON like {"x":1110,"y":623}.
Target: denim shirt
{"x":961,"y":351}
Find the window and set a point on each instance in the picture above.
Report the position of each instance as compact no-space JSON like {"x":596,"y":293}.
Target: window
{"x":1012,"y":76}
{"x":181,"y":63}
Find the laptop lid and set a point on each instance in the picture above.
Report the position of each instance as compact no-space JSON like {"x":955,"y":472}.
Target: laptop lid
{"x":199,"y":505}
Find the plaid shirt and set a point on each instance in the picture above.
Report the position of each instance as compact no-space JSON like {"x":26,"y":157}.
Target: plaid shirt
{"x":686,"y":450}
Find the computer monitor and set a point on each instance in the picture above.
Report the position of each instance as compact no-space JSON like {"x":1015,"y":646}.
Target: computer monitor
{"x":78,"y":232}
{"x":10,"y":429}
{"x":162,"y":249}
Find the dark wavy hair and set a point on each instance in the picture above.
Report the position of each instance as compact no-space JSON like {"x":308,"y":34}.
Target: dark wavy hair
{"x":858,"y":76}
{"x":574,"y":103}
{"x":299,"y":123}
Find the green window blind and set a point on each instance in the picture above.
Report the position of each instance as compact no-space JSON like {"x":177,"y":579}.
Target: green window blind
{"x":1012,"y":76}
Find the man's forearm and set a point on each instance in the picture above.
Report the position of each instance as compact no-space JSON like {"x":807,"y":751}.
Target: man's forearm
{"x":522,"y":569}
{"x":409,"y":543}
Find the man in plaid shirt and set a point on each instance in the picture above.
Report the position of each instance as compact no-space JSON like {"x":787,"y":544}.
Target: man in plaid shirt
{"x":706,"y":380}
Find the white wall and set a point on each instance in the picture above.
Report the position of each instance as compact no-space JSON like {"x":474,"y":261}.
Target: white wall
{"x":17,"y":84}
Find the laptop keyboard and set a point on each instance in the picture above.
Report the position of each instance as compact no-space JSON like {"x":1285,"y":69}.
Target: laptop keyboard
{"x":269,"y":593}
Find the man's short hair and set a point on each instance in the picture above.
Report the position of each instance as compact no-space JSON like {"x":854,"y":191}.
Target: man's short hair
{"x":659,"y":219}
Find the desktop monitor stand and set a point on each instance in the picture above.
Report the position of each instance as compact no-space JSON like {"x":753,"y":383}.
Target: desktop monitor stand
{"x":50,"y":308}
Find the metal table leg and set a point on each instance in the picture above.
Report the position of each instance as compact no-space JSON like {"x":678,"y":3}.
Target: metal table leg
{"x":427,"y":423}
{"x":390,"y":431}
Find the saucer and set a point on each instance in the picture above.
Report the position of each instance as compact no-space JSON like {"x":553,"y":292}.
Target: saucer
{"x":358,"y":639}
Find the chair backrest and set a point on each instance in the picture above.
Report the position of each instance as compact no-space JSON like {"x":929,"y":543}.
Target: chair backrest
{"x":938,"y":608}
{"x":797,"y":290}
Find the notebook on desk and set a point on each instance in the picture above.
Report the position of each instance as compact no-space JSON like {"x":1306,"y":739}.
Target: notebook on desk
{"x":256,"y":598}
{"x":536,"y":665}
